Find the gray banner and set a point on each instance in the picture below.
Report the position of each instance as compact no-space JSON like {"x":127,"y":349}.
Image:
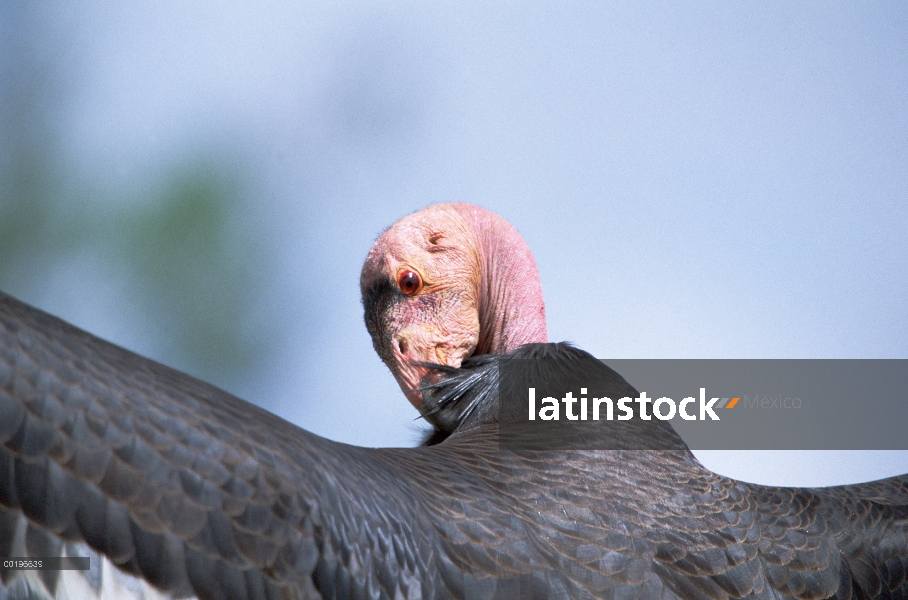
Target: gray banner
{"x":711,"y":404}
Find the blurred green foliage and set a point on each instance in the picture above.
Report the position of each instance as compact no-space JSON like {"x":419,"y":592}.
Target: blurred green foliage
{"x":198,"y":265}
{"x":183,"y":252}
{"x":189,"y":258}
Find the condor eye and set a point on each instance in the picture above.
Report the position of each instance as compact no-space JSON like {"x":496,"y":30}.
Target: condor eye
{"x":409,"y":282}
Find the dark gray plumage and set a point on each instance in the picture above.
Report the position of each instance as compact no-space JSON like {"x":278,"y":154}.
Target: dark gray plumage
{"x":201,"y":493}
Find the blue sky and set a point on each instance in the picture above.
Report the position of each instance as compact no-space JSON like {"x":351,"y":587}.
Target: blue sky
{"x":695,"y":180}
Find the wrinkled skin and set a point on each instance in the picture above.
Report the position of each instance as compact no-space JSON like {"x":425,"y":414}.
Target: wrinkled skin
{"x":460,"y":308}
{"x":440,"y":323}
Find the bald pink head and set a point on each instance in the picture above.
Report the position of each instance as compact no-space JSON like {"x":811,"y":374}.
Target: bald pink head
{"x":445,"y":283}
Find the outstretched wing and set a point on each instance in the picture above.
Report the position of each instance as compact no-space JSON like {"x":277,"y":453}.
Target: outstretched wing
{"x":186,"y":486}
{"x":203,"y":494}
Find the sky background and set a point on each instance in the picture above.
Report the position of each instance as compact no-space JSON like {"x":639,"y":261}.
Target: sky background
{"x":200,"y":182}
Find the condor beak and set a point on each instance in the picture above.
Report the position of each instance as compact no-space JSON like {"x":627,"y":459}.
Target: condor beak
{"x":417,"y":346}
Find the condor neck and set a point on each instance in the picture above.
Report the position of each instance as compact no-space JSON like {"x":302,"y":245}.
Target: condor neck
{"x":511,"y":307}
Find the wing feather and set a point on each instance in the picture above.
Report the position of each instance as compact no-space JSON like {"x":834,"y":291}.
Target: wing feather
{"x":201,"y":493}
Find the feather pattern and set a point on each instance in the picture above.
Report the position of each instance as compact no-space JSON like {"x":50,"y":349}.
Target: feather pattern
{"x":201,"y":494}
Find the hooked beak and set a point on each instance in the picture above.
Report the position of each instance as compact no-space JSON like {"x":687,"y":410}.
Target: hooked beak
{"x":415,"y":351}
